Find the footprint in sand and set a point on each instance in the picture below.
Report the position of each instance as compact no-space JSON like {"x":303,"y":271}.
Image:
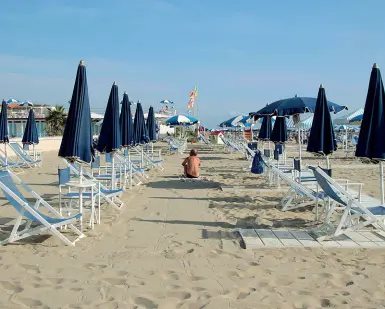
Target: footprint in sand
{"x":30,"y":267}
{"x":11,"y":287}
{"x":56,"y":280}
{"x":146,"y":303}
{"x":29,"y":302}
{"x":179,"y":295}
{"x":115,"y":281}
{"x":94,"y":266}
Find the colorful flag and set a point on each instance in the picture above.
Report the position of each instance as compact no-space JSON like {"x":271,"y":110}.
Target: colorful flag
{"x":196,"y":90}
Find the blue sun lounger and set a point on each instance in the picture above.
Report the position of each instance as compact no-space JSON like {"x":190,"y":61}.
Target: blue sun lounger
{"x":45,"y":223}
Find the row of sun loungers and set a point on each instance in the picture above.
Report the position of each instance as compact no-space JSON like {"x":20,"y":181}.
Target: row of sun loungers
{"x":98,"y":188}
{"x":314,"y":186}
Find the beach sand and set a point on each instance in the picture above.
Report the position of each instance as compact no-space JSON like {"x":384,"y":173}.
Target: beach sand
{"x":174,"y":245}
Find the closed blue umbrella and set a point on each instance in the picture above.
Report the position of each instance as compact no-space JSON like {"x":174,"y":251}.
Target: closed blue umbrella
{"x":77,"y":137}
{"x":4,"y":138}
{"x":266,"y":128}
{"x":110,"y":136}
{"x":279,"y":133}
{"x":126,"y":123}
{"x":30,"y":137}
{"x":151,"y":125}
{"x":140,"y":129}
{"x":322,"y":139}
{"x":371,"y":141}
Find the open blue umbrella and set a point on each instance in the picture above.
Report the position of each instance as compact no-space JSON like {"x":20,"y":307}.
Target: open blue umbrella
{"x":232,"y":122}
{"x":77,"y":137}
{"x":4,"y":138}
{"x":126,"y":123}
{"x":140,"y":130}
{"x":279,"y":133}
{"x":266,"y":128}
{"x":322,"y":139}
{"x":356,"y":118}
{"x":151,"y":125}
{"x":110,"y":136}
{"x":295,"y":105}
{"x":181,"y":120}
{"x":371,"y":141}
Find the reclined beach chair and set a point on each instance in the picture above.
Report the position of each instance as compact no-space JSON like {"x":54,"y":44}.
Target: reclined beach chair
{"x":355,"y":216}
{"x":23,"y":156}
{"x":10,"y":164}
{"x":298,"y":195}
{"x":108,"y":195}
{"x":45,"y":223}
{"x":146,"y":158}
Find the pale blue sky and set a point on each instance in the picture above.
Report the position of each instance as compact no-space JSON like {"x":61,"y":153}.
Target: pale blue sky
{"x":242,"y":54}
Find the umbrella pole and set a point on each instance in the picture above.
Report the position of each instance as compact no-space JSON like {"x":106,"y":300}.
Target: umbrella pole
{"x":327,"y":162}
{"x":6,"y":155}
{"x":382,"y":182}
{"x":113,"y":171}
{"x":152,"y":150}
{"x":299,"y":142}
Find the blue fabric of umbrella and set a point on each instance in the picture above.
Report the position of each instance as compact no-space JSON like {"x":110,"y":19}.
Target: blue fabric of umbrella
{"x":140,"y":130}
{"x":126,"y":122}
{"x":371,"y":141}
{"x":77,"y":137}
{"x":279,"y":133}
{"x":151,"y":125}
{"x":357,"y":118}
{"x":4,"y":138}
{"x":181,"y":120}
{"x":110,"y":136}
{"x":322,"y":139}
{"x":295,"y":105}
{"x":266,"y":128}
{"x":30,"y":137}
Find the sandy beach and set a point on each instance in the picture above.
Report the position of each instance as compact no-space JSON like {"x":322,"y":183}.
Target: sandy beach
{"x":174,"y":245}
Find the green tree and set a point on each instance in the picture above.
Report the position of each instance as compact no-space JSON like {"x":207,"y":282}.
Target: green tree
{"x":55,"y":121}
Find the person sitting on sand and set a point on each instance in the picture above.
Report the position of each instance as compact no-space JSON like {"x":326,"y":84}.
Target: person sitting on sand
{"x":191,"y":165}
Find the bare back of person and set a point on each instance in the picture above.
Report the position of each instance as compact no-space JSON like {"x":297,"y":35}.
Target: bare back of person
{"x":191,"y":165}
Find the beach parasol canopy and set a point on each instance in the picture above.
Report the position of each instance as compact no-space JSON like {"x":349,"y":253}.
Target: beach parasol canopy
{"x":4,"y":138}
{"x":30,"y":137}
{"x":295,"y":105}
{"x":126,"y":123}
{"x":322,"y":139}
{"x":110,"y":136}
{"x":140,"y":130}
{"x":279,"y":133}
{"x":356,"y":118}
{"x":266,"y":128}
{"x":77,"y":137}
{"x":371,"y":141}
{"x":166,"y":102}
{"x":181,"y":119}
{"x":151,"y":125}
{"x":26,"y":103}
{"x":12,"y":100}
{"x":233,"y":121}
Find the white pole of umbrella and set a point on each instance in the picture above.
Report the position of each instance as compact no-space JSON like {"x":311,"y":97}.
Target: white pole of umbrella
{"x":299,"y":142}
{"x":6,"y":155}
{"x":382,"y":183}
{"x":113,"y":176}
